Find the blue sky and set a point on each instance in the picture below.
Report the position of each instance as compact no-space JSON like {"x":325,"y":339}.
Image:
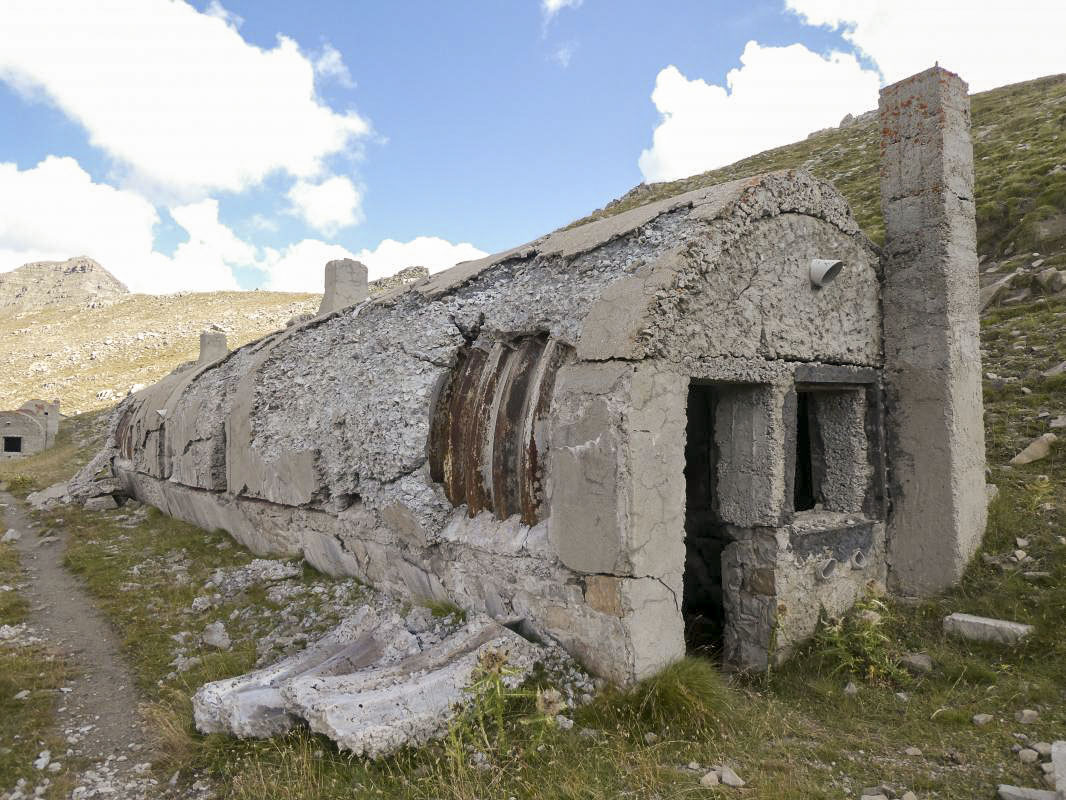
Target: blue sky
{"x":187,"y":146}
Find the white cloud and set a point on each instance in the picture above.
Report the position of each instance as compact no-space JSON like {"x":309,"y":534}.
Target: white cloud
{"x":430,"y":252}
{"x":175,"y":95}
{"x":299,"y":267}
{"x":330,"y":64}
{"x":216,"y":9}
{"x":553,"y":7}
{"x":564,"y":54}
{"x":778,"y":95}
{"x":55,"y":210}
{"x":988,"y":44}
{"x":328,"y":206}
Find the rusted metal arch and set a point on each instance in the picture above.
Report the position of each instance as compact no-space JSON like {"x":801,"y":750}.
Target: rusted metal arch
{"x":485,"y":446}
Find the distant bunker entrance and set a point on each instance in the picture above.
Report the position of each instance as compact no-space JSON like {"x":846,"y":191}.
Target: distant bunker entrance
{"x":24,"y":432}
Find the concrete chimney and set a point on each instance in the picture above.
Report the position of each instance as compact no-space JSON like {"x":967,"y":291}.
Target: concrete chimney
{"x":935,"y":420}
{"x":346,"y":285}
{"x":213,"y":346}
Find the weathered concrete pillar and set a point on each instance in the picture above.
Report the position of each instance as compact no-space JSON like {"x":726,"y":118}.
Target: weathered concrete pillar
{"x":935,"y":424}
{"x":212,"y":346}
{"x":617,"y":504}
{"x":346,"y":285}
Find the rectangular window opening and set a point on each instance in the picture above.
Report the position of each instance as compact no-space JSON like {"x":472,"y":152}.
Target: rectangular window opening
{"x":832,"y":453}
{"x":12,"y":444}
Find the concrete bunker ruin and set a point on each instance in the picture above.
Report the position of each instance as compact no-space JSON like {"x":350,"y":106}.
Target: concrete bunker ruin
{"x":29,"y":429}
{"x":690,"y":426}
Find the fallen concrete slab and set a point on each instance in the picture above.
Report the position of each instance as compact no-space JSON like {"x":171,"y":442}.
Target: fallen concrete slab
{"x":1058,"y":768}
{"x":1007,"y":792}
{"x":986,"y":629}
{"x":251,"y":706}
{"x":371,"y":685}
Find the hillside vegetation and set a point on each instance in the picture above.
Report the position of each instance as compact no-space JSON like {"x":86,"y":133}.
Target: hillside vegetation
{"x":59,"y":344}
{"x":1019,"y":134}
{"x":89,"y":358}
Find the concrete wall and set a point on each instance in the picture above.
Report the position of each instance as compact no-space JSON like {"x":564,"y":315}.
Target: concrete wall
{"x":46,"y":412}
{"x":213,"y":346}
{"x":932,"y":349}
{"x":345,"y":285}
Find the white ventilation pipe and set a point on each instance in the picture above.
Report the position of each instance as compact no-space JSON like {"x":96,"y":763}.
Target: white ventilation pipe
{"x":858,"y":560}
{"x":824,"y":271}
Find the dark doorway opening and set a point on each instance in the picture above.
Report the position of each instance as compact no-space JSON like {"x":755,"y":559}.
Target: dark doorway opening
{"x":803,"y":491}
{"x":12,"y":444}
{"x":702,"y":605}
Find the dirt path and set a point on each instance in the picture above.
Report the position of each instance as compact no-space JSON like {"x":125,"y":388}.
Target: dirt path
{"x":99,"y":714}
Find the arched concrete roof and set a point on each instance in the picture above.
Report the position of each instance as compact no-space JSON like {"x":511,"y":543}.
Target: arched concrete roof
{"x":24,"y":424}
{"x":327,"y":410}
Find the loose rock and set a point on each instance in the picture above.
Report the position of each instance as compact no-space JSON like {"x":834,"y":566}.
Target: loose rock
{"x":710,"y":779}
{"x":917,"y":663}
{"x":103,"y":503}
{"x":1007,"y":792}
{"x":215,"y":636}
{"x":730,"y":778}
{"x":1036,"y":450}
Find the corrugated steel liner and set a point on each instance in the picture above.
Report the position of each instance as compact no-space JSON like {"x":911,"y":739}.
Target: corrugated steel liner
{"x":486,"y":435}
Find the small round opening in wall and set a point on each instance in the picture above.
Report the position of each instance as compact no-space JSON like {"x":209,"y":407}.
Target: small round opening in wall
{"x":824,"y":271}
{"x":825,"y":570}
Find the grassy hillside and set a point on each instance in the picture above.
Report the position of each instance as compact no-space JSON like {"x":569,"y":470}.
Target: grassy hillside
{"x":1019,"y":134}
{"x":89,"y":357}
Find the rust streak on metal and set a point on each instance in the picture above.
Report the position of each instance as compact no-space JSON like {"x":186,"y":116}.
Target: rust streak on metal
{"x":459,"y":413}
{"x":506,"y":445}
{"x":539,"y":404}
{"x":478,"y":495}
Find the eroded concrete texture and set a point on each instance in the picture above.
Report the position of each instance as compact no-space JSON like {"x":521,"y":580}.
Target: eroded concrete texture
{"x":932,"y":354}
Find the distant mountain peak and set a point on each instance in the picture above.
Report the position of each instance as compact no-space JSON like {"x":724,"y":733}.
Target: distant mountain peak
{"x":77,"y":282}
